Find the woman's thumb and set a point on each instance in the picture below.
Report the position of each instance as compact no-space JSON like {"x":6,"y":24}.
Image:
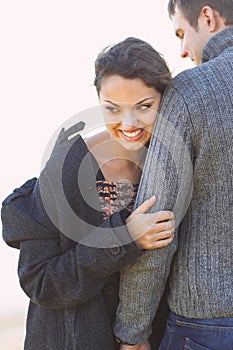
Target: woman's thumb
{"x":145,"y":206}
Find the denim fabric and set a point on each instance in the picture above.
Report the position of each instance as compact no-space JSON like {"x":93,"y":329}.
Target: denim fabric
{"x":197,"y":334}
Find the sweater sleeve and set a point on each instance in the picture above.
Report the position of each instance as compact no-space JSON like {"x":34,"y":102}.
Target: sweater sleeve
{"x":168,"y":175}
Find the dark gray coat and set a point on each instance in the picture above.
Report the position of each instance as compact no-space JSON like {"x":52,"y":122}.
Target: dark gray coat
{"x":73,"y":287}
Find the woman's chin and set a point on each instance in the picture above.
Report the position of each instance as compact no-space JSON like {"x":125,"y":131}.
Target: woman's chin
{"x":131,"y":145}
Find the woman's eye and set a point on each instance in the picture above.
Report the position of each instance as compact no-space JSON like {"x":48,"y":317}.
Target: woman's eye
{"x":112,"y":109}
{"x":143,"y":107}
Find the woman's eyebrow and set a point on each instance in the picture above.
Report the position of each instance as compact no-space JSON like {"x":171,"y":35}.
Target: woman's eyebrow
{"x":145,"y":99}
{"x":137,"y":103}
{"x":112,"y":103}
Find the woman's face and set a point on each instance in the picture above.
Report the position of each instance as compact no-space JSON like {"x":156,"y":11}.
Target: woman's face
{"x":129,"y":108}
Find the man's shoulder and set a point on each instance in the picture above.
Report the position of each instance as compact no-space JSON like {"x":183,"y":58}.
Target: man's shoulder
{"x":185,"y":79}
{"x":204,"y":76}
{"x":195,"y":83}
{"x":185,"y":86}
{"x":189,"y":89}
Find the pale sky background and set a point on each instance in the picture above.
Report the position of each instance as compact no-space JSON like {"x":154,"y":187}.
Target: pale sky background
{"x":48,"y":49}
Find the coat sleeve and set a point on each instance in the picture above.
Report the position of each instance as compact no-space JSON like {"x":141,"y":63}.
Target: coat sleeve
{"x":54,"y":270}
{"x":167,"y":174}
{"x":50,"y":276}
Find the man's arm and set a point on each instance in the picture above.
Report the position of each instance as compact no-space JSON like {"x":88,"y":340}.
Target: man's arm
{"x":168,"y":175}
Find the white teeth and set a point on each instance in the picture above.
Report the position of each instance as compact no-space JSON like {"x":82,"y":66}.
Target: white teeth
{"x":132,"y":134}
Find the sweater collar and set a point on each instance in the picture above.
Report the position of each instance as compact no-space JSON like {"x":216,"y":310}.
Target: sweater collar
{"x":217,"y":44}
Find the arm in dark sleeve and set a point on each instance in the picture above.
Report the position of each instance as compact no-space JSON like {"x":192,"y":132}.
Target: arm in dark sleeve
{"x":49,"y":275}
{"x":56,"y":268}
{"x":53,"y":279}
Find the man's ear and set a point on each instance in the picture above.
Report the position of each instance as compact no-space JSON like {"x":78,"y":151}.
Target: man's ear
{"x":209,"y":18}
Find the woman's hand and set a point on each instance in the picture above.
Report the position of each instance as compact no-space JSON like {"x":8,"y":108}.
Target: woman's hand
{"x":142,"y":346}
{"x":152,"y":230}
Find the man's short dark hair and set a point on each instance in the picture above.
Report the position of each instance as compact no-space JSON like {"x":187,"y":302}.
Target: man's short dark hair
{"x":191,"y":9}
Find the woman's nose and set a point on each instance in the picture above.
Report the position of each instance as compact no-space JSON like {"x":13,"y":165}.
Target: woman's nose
{"x":129,"y":119}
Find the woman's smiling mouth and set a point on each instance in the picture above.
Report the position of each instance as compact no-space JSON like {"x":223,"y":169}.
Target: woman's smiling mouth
{"x":134,"y":135}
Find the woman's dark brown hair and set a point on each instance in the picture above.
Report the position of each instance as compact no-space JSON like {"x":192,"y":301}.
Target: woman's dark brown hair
{"x":132,"y":58}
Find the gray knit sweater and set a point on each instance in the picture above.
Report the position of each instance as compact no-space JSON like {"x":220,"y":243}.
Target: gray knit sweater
{"x":190,"y":168}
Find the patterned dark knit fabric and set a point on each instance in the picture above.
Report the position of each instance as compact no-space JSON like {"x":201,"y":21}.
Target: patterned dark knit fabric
{"x":115,"y":196}
{"x":198,"y":109}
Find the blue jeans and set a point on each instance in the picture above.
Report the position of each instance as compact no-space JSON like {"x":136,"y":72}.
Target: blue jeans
{"x":197,"y":334}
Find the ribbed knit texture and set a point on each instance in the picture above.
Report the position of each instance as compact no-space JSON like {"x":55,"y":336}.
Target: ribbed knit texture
{"x":199,"y":107}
